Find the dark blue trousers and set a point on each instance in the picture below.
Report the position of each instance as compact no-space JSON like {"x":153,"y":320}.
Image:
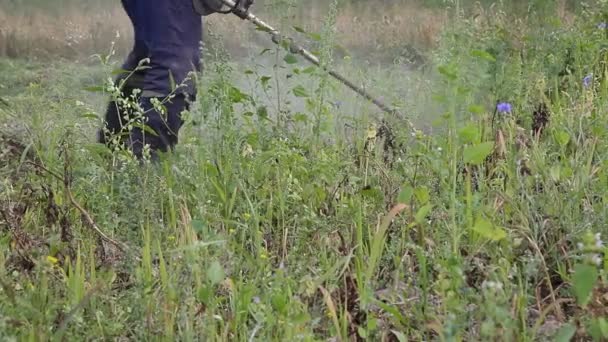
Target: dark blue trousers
{"x":168,"y":33}
{"x":165,"y":126}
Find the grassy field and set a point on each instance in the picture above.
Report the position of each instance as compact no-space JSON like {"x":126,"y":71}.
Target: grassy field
{"x":293,"y":210}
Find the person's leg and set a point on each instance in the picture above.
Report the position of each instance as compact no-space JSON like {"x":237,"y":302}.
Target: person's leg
{"x":175,"y":120}
{"x":115,"y":115}
{"x":172,"y":36}
{"x":166,"y":127}
{"x":168,"y":32}
{"x":114,"y":118}
{"x":111,"y":125}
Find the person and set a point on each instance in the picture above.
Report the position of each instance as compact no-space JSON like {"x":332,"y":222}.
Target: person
{"x":167,"y":38}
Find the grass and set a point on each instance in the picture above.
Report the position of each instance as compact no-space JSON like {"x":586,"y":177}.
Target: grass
{"x":290,"y":211}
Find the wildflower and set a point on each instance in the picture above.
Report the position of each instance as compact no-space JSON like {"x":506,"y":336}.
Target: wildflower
{"x":596,"y":259}
{"x":504,"y":108}
{"x":602,"y":25}
{"x":587,"y":80}
{"x":598,"y":241}
{"x":256,"y":300}
{"x":492,"y":285}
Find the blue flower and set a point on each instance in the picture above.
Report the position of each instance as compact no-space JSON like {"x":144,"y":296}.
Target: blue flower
{"x":504,"y":108}
{"x":602,"y":26}
{"x":587,"y":80}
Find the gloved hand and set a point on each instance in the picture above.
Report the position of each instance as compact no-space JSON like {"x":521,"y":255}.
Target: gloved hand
{"x":241,"y":9}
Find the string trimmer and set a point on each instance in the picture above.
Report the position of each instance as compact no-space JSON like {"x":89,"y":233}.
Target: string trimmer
{"x":295,"y":48}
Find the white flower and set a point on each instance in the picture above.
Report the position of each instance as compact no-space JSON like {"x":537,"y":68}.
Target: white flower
{"x":598,"y":240}
{"x":492,"y":285}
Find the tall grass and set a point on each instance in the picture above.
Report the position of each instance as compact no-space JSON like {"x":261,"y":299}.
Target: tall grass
{"x":291,"y":211}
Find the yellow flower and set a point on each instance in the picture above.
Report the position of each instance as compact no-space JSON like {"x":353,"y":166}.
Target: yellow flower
{"x":372,"y":131}
{"x":52,"y":260}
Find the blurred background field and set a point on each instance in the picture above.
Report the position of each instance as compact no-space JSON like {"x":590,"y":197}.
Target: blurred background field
{"x":384,"y":29}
